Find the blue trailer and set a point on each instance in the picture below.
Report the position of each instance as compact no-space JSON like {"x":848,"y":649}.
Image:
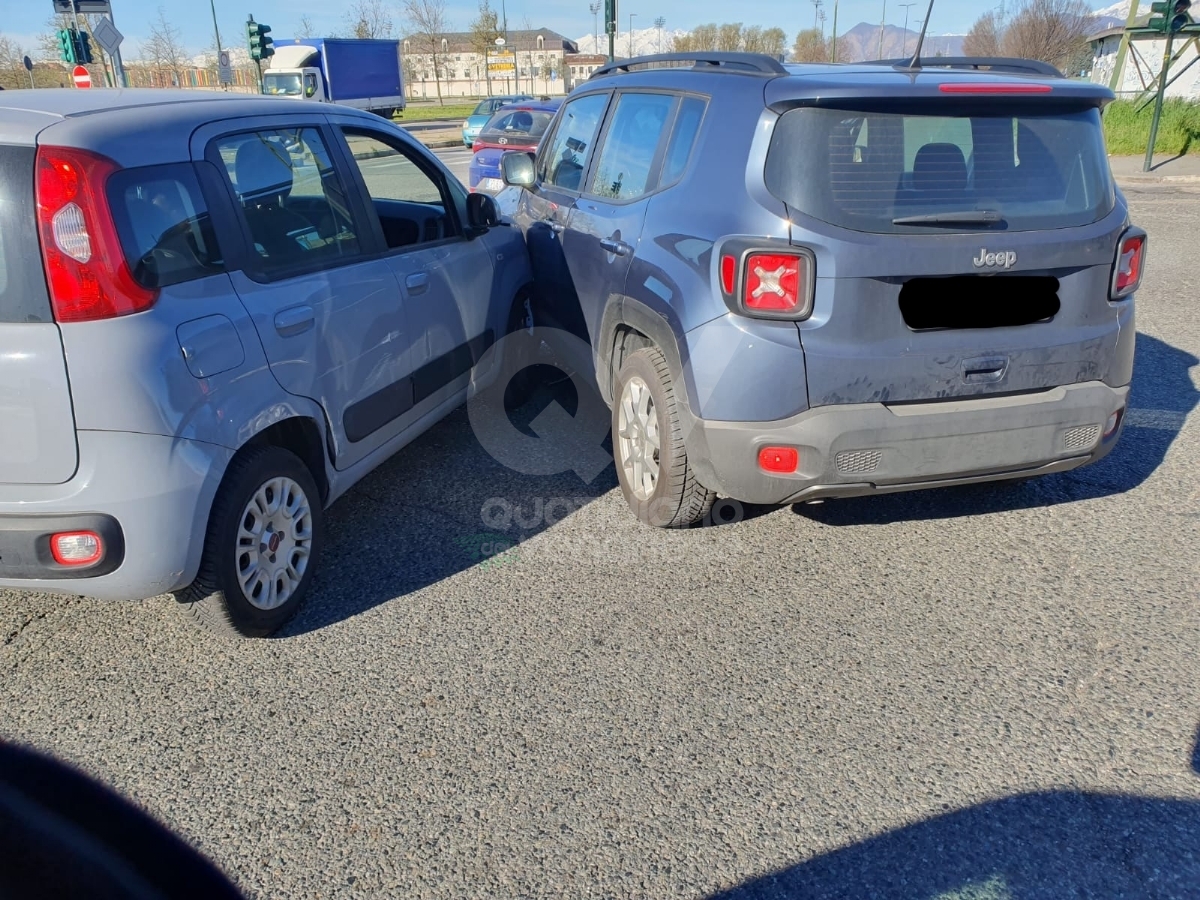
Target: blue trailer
{"x":363,"y":73}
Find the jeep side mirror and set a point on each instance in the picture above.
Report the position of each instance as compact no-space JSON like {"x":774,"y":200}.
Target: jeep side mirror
{"x":518,"y":169}
{"x":482,"y":212}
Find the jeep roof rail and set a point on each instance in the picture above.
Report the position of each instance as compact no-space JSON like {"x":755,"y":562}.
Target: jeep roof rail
{"x":994,"y":63}
{"x":755,"y":63}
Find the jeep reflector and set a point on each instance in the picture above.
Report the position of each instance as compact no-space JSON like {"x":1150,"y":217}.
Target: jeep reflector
{"x":86,"y":270}
{"x":779,"y":460}
{"x":1127,"y":271}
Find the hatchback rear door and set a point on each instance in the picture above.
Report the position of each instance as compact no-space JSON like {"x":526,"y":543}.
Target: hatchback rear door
{"x":37,"y":425}
{"x":962,"y":249}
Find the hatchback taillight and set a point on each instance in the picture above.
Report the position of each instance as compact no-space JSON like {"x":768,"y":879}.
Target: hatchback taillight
{"x":771,"y":284}
{"x":1129,"y":264}
{"x":86,"y":270}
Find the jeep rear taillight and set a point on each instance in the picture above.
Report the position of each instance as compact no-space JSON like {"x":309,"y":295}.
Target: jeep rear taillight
{"x":770,"y":283}
{"x":86,"y":270}
{"x":1130,"y":261}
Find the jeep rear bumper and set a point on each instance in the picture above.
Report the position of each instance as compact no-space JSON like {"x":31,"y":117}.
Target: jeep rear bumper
{"x":852,"y":450}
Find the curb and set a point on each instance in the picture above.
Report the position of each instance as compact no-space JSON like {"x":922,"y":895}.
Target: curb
{"x":1157,"y":179}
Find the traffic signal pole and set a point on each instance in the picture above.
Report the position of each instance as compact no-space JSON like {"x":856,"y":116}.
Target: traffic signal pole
{"x":1158,"y":102}
{"x":217,"y":31}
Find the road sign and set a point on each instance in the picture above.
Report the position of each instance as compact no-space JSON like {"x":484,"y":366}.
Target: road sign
{"x":224,"y":69}
{"x":107,"y":36}
{"x":81,"y":77}
{"x":87,"y":7}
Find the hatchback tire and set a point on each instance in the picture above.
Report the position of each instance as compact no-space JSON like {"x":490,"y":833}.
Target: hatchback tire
{"x":652,"y":465}
{"x":261,"y":548}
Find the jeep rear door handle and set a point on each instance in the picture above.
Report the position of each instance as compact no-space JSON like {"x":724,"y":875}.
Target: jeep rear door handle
{"x":417,"y":283}
{"x":618,"y":247}
{"x":294,"y":321}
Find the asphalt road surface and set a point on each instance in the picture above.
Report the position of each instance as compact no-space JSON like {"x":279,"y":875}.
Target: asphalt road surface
{"x":988,"y":692}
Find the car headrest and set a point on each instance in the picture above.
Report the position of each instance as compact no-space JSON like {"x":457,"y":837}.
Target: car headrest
{"x":522,"y":121}
{"x":264,"y":172}
{"x":941,"y":168}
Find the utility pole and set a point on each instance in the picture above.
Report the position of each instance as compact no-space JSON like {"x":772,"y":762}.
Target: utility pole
{"x":631,"y":15}
{"x":660,"y":23}
{"x":906,"y":6}
{"x":1123,"y":50}
{"x":216,"y":31}
{"x":816,"y":12}
{"x":595,"y":8}
{"x":610,"y":26}
{"x":1158,"y":102}
{"x":835,"y":37}
{"x":882,"y":26}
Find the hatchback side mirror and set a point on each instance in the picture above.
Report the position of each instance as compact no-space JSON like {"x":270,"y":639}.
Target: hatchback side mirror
{"x":482,"y":212}
{"x":518,"y":169}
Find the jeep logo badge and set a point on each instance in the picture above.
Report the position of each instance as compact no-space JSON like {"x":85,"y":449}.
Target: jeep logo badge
{"x":1004,"y":259}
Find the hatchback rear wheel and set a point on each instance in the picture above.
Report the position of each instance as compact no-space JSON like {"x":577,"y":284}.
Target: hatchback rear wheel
{"x":652,"y":465}
{"x":263,"y":538}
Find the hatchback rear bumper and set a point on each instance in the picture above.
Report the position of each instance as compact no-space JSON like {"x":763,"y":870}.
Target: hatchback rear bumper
{"x":146,"y":496}
{"x":852,"y":450}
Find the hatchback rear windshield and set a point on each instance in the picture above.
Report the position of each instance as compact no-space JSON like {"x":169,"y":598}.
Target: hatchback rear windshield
{"x":906,"y":172}
{"x":23,"y":296}
{"x":520,"y":123}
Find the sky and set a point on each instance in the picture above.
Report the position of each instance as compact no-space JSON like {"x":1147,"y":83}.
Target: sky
{"x":22,"y":20}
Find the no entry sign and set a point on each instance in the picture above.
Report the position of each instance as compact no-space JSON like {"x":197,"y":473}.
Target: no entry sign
{"x":81,"y":77}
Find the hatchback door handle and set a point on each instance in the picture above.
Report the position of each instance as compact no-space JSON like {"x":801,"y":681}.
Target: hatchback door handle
{"x":417,"y":283}
{"x":294,"y":321}
{"x":618,"y":247}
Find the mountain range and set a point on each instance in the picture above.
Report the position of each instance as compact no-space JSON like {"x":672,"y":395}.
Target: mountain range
{"x":858,"y":43}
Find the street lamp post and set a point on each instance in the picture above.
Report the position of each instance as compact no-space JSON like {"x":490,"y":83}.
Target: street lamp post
{"x":882,"y":27}
{"x":906,"y":6}
{"x":595,"y":8}
{"x":631,"y":15}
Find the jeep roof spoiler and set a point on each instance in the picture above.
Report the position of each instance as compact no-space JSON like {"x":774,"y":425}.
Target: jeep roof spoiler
{"x":993,"y":63}
{"x":742,"y":63}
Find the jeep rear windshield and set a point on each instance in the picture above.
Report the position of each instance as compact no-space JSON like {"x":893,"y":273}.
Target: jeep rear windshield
{"x":922,"y":171}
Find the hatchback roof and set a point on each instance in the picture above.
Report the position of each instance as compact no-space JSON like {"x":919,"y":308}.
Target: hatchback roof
{"x":59,"y":102}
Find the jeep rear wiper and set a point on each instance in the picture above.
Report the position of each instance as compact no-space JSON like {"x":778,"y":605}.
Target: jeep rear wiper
{"x":962,"y":217}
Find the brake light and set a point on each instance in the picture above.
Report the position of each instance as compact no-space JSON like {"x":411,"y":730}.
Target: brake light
{"x":76,"y":548}
{"x":86,"y":270}
{"x":769,"y":283}
{"x":985,"y":88}
{"x":779,"y":460}
{"x":1127,"y":270}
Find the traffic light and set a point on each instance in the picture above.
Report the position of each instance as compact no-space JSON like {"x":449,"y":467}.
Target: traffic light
{"x":261,"y":46}
{"x":66,"y":45}
{"x":1170,"y":16}
{"x":85,"y":48}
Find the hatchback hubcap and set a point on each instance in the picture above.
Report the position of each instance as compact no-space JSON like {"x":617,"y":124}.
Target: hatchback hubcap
{"x":274,"y":543}
{"x":638,"y":438}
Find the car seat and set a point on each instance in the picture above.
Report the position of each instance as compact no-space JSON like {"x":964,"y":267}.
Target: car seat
{"x":264,"y":180}
{"x":939,"y":176}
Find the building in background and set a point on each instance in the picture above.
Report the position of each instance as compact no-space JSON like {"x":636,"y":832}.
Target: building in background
{"x":530,"y":62}
{"x":580,"y":66}
{"x":1143,"y":62}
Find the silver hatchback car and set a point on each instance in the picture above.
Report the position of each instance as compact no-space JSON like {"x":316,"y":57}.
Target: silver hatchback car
{"x":216,"y":315}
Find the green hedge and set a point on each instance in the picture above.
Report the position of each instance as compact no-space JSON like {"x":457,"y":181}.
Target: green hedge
{"x":1127,"y":131}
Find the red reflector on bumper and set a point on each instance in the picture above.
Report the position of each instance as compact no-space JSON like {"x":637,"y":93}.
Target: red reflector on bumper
{"x":76,"y":548}
{"x":779,"y":460}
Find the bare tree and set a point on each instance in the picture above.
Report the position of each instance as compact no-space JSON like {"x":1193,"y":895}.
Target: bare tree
{"x":368,"y":19}
{"x":729,"y":37}
{"x":163,"y":50}
{"x":810,"y":47}
{"x":428,"y":18}
{"x":774,"y":42}
{"x":305,"y":29}
{"x":484,"y":30}
{"x":984,"y":37}
{"x":1053,"y":31}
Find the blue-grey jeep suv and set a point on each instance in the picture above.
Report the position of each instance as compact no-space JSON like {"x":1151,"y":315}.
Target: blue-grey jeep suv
{"x":217,"y":313}
{"x":803,"y":282}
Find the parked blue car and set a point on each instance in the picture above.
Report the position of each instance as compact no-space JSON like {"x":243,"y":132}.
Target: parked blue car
{"x":484,"y":111}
